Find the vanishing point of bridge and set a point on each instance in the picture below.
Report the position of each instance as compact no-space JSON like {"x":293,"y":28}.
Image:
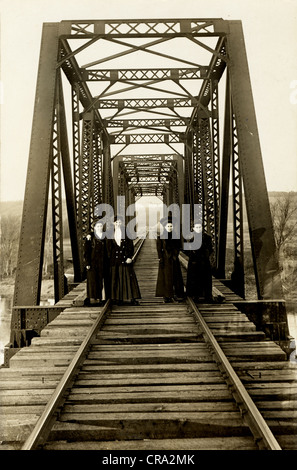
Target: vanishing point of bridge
{"x":135,"y":108}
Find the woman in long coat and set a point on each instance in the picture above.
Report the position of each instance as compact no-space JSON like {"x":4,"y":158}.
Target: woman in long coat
{"x":169,"y":282}
{"x":124,"y":284}
{"x":199,"y":275}
{"x":97,"y":265}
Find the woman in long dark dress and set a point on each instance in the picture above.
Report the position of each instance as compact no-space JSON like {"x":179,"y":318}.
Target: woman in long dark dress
{"x":199,"y":275}
{"x":97,"y":265}
{"x":169,"y":282}
{"x":124,"y":284}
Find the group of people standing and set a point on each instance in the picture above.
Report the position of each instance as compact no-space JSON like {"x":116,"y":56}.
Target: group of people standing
{"x":109,"y":265}
{"x":111,"y":275}
{"x":170,"y":283}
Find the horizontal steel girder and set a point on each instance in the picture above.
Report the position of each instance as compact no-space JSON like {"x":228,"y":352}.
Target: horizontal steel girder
{"x":149,"y":158}
{"x":147,"y":139}
{"x":96,"y":75}
{"x":147,"y":27}
{"x":146,"y":103}
{"x":125,"y":123}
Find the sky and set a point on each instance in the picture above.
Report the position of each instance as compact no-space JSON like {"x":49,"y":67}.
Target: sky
{"x":270,"y":30}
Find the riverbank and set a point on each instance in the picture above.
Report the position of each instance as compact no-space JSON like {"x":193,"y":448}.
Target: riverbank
{"x":7,"y":288}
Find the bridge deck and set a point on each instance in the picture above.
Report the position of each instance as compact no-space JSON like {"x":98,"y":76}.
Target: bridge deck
{"x":149,"y":381}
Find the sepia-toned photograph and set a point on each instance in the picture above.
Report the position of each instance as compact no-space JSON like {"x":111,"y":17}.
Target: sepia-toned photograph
{"x":148,"y":228}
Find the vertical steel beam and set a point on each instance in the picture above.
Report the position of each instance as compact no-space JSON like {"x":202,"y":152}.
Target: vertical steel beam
{"x":180,"y":178}
{"x":267,"y":272}
{"x":76,"y":143}
{"x":109,"y":182}
{"x":197,"y":166}
{"x":85,"y":212}
{"x":96,"y":174}
{"x":69,"y":191}
{"x":225,"y":183}
{"x":116,"y":178}
{"x":57,"y":218}
{"x":189,"y":177}
{"x":207,"y":175}
{"x":215,"y":160}
{"x":30,"y":257}
{"x":238,"y":272}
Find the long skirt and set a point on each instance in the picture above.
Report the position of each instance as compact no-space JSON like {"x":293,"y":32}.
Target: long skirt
{"x":124,"y":284}
{"x":199,"y":279}
{"x":169,"y":280}
{"x":95,"y":284}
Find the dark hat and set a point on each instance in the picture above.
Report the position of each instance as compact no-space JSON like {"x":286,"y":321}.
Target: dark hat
{"x":168,"y":220}
{"x":118,"y":217}
{"x":197,"y":221}
{"x":98,"y":221}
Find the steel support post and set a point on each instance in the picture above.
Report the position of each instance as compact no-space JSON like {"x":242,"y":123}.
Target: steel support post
{"x":116,"y":178}
{"x":85,"y":215}
{"x":30,"y":258}
{"x":180,"y":180}
{"x":123,"y":191}
{"x":214,"y":90}
{"x":97,"y":170}
{"x":207,"y":174}
{"x":267,"y":271}
{"x":57,"y":217}
{"x":224,"y":201}
{"x":238,"y":272}
{"x":189,"y":177}
{"x":69,"y":191}
{"x":109,"y":188}
{"x":76,"y":144}
{"x":197,"y":167}
{"x":175,"y":182}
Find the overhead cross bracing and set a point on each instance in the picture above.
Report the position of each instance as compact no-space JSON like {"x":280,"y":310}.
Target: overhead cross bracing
{"x":155,"y":88}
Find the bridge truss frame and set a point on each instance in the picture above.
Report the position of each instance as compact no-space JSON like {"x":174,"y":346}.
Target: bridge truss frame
{"x":91,"y":171}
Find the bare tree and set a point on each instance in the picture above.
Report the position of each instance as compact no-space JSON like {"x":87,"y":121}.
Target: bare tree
{"x":9,"y":239}
{"x":284,"y":216}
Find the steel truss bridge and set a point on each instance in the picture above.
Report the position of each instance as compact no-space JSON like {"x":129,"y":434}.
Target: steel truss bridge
{"x":134,"y":108}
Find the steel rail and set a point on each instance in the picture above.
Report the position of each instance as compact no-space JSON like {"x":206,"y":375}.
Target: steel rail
{"x":43,"y":425}
{"x":139,"y":242}
{"x":45,"y":422}
{"x":258,"y":426}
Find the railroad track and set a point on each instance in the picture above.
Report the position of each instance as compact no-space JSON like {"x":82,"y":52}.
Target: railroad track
{"x":156,"y":376}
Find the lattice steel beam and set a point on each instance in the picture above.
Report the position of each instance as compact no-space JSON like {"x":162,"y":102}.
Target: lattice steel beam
{"x":225,"y":182}
{"x":151,"y":157}
{"x":142,"y":28}
{"x":72,"y":72}
{"x":237,"y":213}
{"x":97,"y":75}
{"x":86,"y":182}
{"x":144,"y":103}
{"x":76,"y":144}
{"x":57,"y":220}
{"x":215,"y":71}
{"x":70,"y":192}
{"x":149,"y":123}
{"x":147,"y":139}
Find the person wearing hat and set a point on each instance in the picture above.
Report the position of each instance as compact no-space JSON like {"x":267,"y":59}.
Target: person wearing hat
{"x":199,"y":275}
{"x":97,"y":265}
{"x":124,"y":284}
{"x":169,"y":281}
